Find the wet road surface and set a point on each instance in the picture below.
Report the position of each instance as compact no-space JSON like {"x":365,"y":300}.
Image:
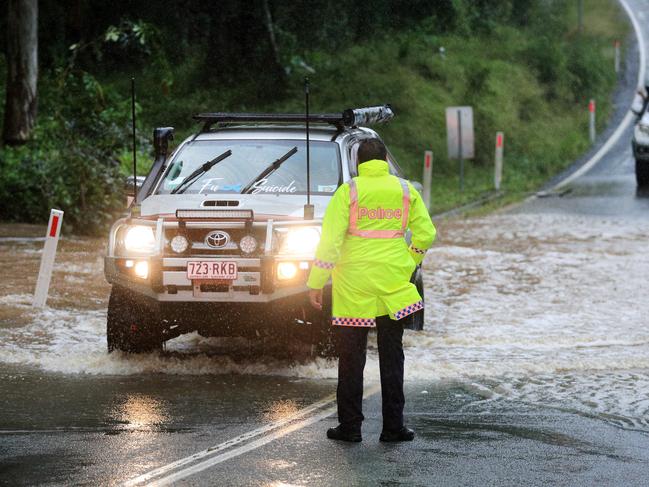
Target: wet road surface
{"x":533,"y":369}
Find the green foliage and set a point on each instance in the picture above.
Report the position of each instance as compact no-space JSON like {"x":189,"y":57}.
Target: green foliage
{"x":519,"y":63}
{"x":585,"y":65}
{"x":71,"y":163}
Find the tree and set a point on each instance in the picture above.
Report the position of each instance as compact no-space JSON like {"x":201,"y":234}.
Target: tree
{"x":22,"y":70}
{"x":279,"y":69}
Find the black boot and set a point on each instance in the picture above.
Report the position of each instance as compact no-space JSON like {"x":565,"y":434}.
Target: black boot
{"x":404,"y":434}
{"x":342,"y":434}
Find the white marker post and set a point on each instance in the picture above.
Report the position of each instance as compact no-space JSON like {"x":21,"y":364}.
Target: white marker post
{"x":428,"y":177}
{"x":616,"y":44}
{"x":498,"y":160}
{"x":47,"y":260}
{"x":591,"y":125}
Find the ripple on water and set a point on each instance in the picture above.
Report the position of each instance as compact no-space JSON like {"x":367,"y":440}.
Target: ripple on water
{"x":543,"y":309}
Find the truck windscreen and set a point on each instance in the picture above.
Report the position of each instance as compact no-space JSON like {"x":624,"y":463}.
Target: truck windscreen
{"x":249,"y":158}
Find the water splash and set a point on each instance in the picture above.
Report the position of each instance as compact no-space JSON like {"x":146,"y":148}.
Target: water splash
{"x":544,"y":309}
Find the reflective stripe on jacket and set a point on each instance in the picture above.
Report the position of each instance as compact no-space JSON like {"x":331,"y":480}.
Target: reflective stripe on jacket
{"x":363,"y":250}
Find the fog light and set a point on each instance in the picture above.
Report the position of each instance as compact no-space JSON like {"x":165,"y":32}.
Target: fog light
{"x":248,"y":244}
{"x":286,"y":270}
{"x":179,"y":244}
{"x":142,"y":269}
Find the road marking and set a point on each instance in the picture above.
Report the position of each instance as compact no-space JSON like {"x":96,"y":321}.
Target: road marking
{"x":615,"y":136}
{"x":174,"y":477}
{"x":276,"y":429}
{"x":232,"y":442}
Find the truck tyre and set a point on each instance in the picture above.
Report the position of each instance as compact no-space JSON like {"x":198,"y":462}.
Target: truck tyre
{"x":130,"y":326}
{"x":642,"y":173}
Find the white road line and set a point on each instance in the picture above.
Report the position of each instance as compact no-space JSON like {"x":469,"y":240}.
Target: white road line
{"x":615,"y":136}
{"x":285,"y":422}
{"x":199,"y":467}
{"x":232,"y":442}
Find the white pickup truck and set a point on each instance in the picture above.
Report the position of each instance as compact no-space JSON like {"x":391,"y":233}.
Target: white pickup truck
{"x":217,"y":241}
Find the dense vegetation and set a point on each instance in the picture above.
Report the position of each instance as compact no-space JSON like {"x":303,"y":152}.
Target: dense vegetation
{"x":523,"y":65}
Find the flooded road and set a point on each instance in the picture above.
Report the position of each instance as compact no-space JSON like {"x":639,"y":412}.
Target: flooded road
{"x":535,"y":339}
{"x":508,"y":294}
{"x":533,"y":368}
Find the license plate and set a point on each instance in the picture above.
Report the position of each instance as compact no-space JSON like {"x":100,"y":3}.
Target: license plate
{"x":224,"y":270}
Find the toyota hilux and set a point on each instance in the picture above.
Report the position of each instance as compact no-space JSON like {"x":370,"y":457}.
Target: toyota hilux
{"x":222,"y":232}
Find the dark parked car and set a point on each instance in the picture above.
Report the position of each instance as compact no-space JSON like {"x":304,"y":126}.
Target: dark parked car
{"x":640,"y":142}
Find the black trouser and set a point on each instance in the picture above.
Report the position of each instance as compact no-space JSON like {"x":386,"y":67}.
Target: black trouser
{"x":352,"y":345}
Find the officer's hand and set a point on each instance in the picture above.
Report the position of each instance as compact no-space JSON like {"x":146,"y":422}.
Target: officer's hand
{"x":315,"y":296}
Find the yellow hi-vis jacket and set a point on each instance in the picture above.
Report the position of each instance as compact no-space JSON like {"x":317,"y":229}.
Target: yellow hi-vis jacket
{"x":364,"y":251}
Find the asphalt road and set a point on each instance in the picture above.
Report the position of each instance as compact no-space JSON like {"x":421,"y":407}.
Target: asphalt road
{"x":498,"y":393}
{"x":59,"y":430}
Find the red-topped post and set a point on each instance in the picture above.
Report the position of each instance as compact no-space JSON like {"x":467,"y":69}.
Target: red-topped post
{"x":428,"y":177}
{"x":591,"y":124}
{"x":498,"y":160}
{"x":47,"y":259}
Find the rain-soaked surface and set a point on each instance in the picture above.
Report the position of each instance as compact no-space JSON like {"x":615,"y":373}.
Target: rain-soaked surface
{"x":560,"y":298}
{"x":535,"y":332}
{"x":533,"y":368}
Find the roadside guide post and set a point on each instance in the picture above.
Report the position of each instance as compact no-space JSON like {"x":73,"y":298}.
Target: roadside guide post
{"x":591,"y":123}
{"x":616,"y":44}
{"x":428,"y":177}
{"x":47,"y":259}
{"x":460,"y":139}
{"x":498,"y":160}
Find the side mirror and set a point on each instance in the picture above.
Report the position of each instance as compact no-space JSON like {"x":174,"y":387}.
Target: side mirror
{"x":129,"y":190}
{"x":161,"y":138}
{"x":418,"y":186}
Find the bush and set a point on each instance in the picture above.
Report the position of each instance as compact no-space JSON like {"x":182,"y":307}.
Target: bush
{"x":589,"y":80}
{"x":72,"y":163}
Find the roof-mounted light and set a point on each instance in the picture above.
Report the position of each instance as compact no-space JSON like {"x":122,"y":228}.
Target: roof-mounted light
{"x":349,"y":118}
{"x":367,"y":116}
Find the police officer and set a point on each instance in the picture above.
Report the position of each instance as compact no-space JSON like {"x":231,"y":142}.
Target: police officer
{"x":364,"y":251}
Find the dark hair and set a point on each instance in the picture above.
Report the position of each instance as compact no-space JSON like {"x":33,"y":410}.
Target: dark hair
{"x":370,"y":149}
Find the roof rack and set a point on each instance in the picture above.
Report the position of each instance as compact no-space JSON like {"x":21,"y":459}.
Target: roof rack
{"x":348,"y":118}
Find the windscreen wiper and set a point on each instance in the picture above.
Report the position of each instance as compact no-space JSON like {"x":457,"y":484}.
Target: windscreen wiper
{"x":187,"y":182}
{"x":272,"y":167}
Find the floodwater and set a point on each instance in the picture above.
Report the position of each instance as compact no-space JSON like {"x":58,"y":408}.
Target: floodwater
{"x":547,"y":310}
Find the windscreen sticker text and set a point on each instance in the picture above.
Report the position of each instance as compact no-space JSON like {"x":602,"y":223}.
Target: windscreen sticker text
{"x":210,"y":187}
{"x":262,"y":186}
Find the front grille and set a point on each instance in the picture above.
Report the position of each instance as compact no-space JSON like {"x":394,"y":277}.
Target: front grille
{"x":198,"y":246}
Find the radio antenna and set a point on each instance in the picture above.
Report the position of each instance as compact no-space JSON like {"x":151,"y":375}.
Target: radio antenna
{"x":134,"y":141}
{"x":308,"y":208}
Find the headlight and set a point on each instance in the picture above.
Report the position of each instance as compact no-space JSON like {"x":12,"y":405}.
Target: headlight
{"x":140,"y":239}
{"x":643,"y":128}
{"x":301,"y":240}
